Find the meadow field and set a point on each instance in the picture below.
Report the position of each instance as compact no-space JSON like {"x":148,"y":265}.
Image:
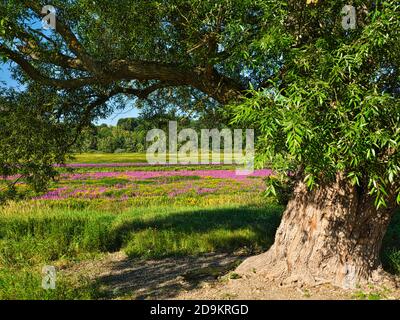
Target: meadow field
{"x":116,"y":205}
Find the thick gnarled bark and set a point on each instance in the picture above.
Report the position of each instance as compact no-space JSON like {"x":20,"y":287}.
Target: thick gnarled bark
{"x":330,"y":235}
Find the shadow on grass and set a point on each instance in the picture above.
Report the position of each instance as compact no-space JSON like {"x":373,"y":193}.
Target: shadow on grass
{"x":167,"y":277}
{"x":194,"y":245}
{"x":390,"y":253}
{"x":214,"y":230}
{"x":188,"y":258}
{"x":162,"y":279}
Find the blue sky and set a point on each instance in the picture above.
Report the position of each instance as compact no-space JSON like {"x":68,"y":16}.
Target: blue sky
{"x":6,"y":79}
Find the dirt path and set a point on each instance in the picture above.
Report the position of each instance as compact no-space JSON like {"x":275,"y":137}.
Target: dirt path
{"x":205,"y":277}
{"x":256,"y":288}
{"x":121,"y":277}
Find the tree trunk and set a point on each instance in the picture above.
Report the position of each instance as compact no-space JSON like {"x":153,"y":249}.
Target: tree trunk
{"x":332,"y":234}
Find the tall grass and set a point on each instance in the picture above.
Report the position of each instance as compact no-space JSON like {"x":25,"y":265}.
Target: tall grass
{"x":46,"y":234}
{"x":109,"y":158}
{"x":38,"y":235}
{"x":25,"y":284}
{"x":138,"y":157}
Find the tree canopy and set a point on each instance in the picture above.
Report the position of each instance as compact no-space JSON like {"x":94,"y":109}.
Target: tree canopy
{"x":133,"y":48}
{"x":334,"y":105}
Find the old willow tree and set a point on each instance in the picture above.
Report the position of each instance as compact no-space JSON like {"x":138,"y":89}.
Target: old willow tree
{"x":324,"y":99}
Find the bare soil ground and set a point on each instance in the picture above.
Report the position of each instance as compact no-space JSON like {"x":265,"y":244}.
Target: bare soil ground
{"x":209,"y":276}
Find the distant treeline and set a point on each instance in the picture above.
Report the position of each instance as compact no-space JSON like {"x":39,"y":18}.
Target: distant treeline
{"x":129,"y":135}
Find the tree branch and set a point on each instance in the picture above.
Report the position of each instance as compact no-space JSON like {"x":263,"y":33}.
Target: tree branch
{"x":144,"y":93}
{"x":36,"y":52}
{"x":35,"y":74}
{"x":104,"y":73}
{"x":68,"y":36}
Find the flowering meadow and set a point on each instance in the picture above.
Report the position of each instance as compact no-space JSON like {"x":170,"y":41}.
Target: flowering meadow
{"x":104,"y":204}
{"x":127,"y":185}
{"x":101,"y":204}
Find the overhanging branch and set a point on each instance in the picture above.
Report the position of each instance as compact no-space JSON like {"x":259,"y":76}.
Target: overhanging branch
{"x":108,"y":73}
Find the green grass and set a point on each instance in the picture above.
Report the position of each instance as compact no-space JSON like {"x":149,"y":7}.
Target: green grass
{"x":146,"y":168}
{"x":45,"y":235}
{"x":109,"y":158}
{"x":391,"y":246}
{"x":38,"y":235}
{"x":25,"y":284}
{"x":124,"y":157}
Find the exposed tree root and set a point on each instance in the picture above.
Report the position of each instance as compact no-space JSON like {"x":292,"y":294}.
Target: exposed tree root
{"x":332,"y":234}
{"x":303,"y":277}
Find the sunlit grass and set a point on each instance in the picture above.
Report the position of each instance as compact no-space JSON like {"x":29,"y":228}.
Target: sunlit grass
{"x":43,"y":234}
{"x":109,"y":158}
{"x":142,"y":157}
{"x":37,"y":235}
